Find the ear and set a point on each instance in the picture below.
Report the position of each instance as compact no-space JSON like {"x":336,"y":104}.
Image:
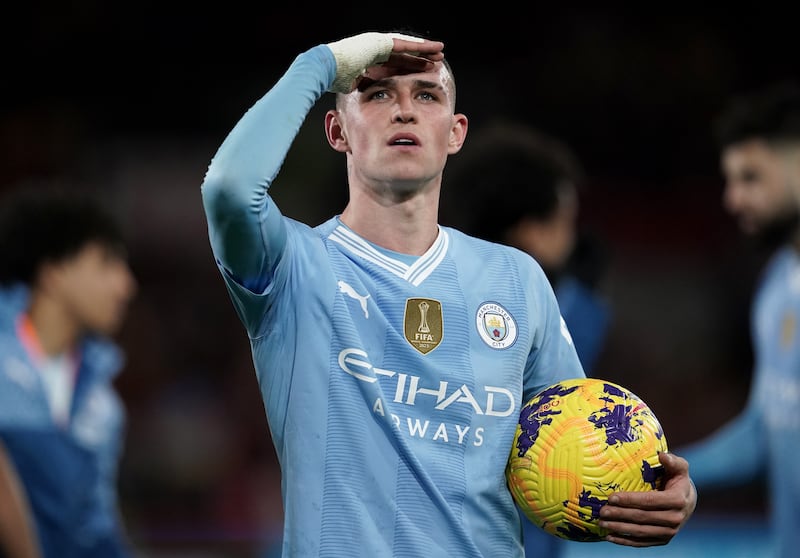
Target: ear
{"x":334,"y":131}
{"x":458,"y":133}
{"x":48,"y":276}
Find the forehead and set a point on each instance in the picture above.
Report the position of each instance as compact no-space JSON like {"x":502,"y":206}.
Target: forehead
{"x":100,"y":251}
{"x":754,"y":154}
{"x":440,"y":77}
{"x":439,"y":74}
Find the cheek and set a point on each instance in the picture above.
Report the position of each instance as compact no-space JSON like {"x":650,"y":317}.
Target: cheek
{"x":561,"y":240}
{"x":751,"y":197}
{"x":776,"y":199}
{"x":104,"y":297}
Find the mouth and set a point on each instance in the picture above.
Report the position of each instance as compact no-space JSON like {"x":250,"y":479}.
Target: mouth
{"x":404,"y":140}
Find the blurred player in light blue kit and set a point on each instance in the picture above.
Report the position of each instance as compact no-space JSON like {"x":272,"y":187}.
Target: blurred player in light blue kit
{"x":65,"y":289}
{"x":393,"y":354}
{"x":759,"y":138}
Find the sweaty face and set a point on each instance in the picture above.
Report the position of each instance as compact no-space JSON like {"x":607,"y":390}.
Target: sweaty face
{"x":95,"y":287}
{"x":758,"y":191}
{"x":400,"y":129}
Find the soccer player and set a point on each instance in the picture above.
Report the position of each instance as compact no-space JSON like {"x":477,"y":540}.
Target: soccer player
{"x":393,"y":354}
{"x":520,"y":187}
{"x":66,"y":285}
{"x":759,"y":141}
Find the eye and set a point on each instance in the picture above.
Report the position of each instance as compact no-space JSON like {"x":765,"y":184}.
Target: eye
{"x":750,"y":176}
{"x":427,"y":96}
{"x":379,"y":94}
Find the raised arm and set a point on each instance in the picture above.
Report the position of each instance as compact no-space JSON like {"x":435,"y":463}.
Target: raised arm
{"x":246,"y":231}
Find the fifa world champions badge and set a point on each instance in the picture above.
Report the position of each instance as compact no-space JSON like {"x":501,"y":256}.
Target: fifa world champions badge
{"x":423,"y":324}
{"x":495,"y":325}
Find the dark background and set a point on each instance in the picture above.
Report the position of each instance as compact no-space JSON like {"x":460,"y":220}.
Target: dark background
{"x":132,"y":100}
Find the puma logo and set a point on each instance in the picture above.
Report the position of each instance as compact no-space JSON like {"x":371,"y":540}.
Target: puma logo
{"x":351,"y":292}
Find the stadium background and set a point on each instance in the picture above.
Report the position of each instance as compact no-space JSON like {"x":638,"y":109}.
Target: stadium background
{"x":132,"y":101}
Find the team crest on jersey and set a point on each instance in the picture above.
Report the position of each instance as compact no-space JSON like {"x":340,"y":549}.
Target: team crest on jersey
{"x":788,"y":327}
{"x":496,"y":326}
{"x":423,"y":324}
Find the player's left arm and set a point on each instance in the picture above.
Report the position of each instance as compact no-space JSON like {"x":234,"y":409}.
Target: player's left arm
{"x":17,"y":529}
{"x":652,"y":518}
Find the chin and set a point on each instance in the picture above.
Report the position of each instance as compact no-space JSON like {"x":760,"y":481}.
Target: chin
{"x":106,"y":328}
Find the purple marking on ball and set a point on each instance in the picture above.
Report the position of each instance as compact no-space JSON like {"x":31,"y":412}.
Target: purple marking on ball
{"x":586,"y":500}
{"x":652,"y":475}
{"x":578,"y":532}
{"x":617,"y":420}
{"x":536,"y":414}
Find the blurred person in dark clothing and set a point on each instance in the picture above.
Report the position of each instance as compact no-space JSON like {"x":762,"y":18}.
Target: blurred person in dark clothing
{"x":521,"y":187}
{"x":64,"y":288}
{"x":759,"y":142}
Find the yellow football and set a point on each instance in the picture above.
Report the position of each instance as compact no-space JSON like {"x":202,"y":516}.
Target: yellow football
{"x":578,"y":441}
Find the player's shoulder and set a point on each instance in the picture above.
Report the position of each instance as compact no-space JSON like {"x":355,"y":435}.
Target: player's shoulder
{"x":464,"y":244}
{"x":771,"y":283}
{"x":782,"y":261}
{"x":13,"y":301}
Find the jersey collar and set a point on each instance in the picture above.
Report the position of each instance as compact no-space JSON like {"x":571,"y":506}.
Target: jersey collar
{"x":415,"y":272}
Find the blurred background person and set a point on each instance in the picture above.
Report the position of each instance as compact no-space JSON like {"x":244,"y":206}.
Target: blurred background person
{"x":759,"y":141}
{"x":519,"y":186}
{"x":66,"y":285}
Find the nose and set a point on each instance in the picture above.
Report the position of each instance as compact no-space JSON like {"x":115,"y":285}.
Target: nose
{"x":128,"y":284}
{"x":731,"y":198}
{"x":403,"y":109}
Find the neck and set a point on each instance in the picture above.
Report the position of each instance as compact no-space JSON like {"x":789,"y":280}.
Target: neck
{"x":408,"y":226}
{"x":57,"y":331}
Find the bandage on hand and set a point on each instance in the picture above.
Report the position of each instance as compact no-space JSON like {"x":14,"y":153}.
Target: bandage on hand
{"x":357,"y":53}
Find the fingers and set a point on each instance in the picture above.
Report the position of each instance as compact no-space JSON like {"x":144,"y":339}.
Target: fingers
{"x":361,"y":54}
{"x":638,"y":527}
{"x":642,"y":516}
{"x":409,"y":62}
{"x":651,"y":518}
{"x":396,"y":65}
{"x":673,"y":464}
{"x":417,"y":46}
{"x":650,"y":500}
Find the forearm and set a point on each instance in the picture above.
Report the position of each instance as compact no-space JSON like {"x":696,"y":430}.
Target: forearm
{"x":17,"y":531}
{"x":722,"y":458}
{"x":245,"y":227}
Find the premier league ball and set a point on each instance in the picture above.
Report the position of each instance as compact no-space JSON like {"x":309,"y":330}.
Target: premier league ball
{"x":577,"y":442}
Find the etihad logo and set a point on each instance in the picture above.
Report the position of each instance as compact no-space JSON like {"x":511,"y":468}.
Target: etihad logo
{"x":423,"y":324}
{"x":495,"y":325}
{"x":487,"y":400}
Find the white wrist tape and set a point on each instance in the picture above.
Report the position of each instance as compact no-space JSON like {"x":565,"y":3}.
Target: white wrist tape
{"x":355,"y":54}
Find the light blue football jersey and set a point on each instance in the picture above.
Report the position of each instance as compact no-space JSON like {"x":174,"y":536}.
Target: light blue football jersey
{"x":765,"y":437}
{"x":392,"y":384}
{"x":69,"y":472}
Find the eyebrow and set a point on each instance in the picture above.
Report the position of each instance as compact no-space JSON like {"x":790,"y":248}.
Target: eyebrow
{"x":418,"y":84}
